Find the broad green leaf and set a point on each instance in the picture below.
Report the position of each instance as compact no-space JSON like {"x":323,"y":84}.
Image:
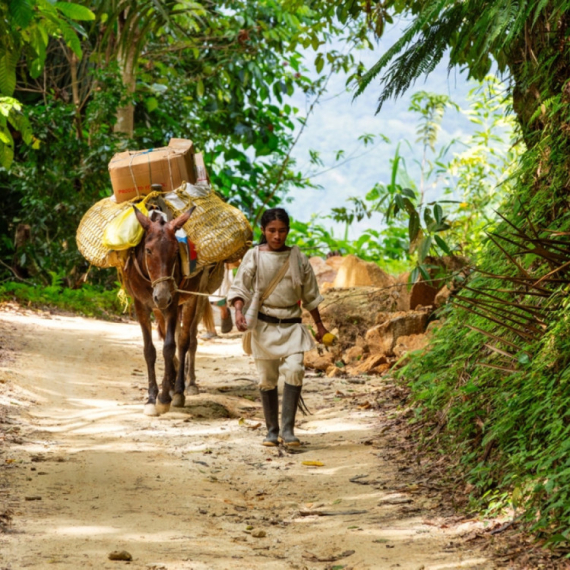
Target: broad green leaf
{"x":414,"y":275}
{"x":6,"y":149}
{"x":200,"y":88}
{"x":20,"y":122}
{"x":151,"y":104}
{"x":409,"y":192}
{"x":524,"y":358}
{"x":319,"y":63}
{"x":67,"y":32}
{"x":438,"y":213}
{"x":441,"y":243}
{"x":8,"y":62}
{"x":75,"y":11}
{"x":22,"y":12}
{"x":425,"y":273}
{"x":424,"y":248}
{"x":414,"y":226}
{"x":38,"y":41}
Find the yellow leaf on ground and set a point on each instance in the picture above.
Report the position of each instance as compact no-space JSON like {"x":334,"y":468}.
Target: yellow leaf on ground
{"x":313,"y":463}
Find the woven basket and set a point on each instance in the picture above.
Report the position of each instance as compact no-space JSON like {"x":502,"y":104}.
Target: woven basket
{"x":89,"y":235}
{"x":219,"y":231}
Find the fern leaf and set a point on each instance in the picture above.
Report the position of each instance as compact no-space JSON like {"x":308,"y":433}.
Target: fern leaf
{"x":430,"y":13}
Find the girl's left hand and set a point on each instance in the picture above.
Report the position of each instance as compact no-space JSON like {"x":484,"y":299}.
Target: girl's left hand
{"x":321,"y":332}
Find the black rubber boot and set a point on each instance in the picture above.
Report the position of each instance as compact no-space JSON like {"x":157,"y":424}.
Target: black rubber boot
{"x":291,"y":395}
{"x":270,"y":402}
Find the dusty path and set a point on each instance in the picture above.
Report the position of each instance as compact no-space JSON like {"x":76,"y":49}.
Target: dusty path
{"x":86,"y":473}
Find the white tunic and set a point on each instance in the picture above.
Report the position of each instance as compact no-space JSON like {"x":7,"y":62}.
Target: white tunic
{"x":274,"y":341}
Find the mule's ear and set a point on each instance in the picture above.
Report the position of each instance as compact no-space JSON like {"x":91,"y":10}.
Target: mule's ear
{"x":143,"y":220}
{"x":178,"y":222}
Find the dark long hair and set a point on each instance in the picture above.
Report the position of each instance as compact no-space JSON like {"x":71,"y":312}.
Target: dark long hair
{"x":270,"y":216}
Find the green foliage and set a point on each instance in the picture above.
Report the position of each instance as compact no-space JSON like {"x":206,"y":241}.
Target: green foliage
{"x":504,"y":413}
{"x":469,"y":184}
{"x":88,"y":301}
{"x":473,"y":33}
{"x":25,"y":29}
{"x":215,"y":73}
{"x":386,"y":248}
{"x":11,"y":116}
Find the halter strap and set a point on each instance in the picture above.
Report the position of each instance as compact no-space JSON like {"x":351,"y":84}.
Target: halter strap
{"x":167,"y":278}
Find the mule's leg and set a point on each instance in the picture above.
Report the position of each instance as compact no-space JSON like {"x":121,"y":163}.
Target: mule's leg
{"x":191,"y":387}
{"x":188,"y":309}
{"x":143,"y":316}
{"x":161,"y":327}
{"x":168,"y":352}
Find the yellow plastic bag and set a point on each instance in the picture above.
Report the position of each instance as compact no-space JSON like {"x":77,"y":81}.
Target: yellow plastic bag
{"x":124,"y":230}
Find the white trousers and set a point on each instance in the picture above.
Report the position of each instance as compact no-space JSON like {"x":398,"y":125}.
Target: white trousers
{"x":290,"y":368}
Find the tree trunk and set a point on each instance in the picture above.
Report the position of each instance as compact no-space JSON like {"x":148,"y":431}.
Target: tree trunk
{"x":127,"y":39}
{"x":74,"y":61}
{"x":125,"y":115}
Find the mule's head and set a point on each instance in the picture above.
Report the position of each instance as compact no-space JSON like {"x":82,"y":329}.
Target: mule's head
{"x":161,"y":253}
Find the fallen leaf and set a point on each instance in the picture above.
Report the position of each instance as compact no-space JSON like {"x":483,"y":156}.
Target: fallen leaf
{"x":313,"y":463}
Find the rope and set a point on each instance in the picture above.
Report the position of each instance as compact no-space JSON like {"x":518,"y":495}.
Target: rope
{"x":133,"y":174}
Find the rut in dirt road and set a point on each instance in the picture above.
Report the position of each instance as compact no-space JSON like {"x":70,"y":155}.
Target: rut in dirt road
{"x":86,"y":473}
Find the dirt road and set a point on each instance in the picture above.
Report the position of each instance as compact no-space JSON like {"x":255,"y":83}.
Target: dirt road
{"x":85,"y":473}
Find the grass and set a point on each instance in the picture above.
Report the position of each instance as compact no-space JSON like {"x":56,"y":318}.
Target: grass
{"x":88,"y":301}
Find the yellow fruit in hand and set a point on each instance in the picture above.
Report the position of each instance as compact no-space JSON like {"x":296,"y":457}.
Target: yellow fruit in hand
{"x":329,"y":339}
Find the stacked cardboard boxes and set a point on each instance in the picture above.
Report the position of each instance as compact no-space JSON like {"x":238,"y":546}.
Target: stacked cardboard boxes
{"x":134,"y":172}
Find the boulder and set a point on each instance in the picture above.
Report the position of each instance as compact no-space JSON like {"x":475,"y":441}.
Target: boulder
{"x":316,"y":361}
{"x":423,"y":295}
{"x":442,"y":296}
{"x":382,"y":338}
{"x":369,"y":365}
{"x":353,"y":311}
{"x":324,"y":273}
{"x":403,"y":289}
{"x":334,"y":372}
{"x":354,"y":272}
{"x":409,"y":343}
{"x":354,"y":353}
{"x":335,"y":261}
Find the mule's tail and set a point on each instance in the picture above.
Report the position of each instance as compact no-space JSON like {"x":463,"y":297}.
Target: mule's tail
{"x":208,"y":318}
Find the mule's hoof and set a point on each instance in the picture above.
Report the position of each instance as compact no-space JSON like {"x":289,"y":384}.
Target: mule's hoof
{"x":178,"y":401}
{"x":162,"y":408}
{"x":150,"y":410}
{"x":192,"y":390}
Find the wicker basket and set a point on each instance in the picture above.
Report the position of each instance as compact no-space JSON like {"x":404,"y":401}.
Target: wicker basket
{"x":90,"y":233}
{"x":219,"y":231}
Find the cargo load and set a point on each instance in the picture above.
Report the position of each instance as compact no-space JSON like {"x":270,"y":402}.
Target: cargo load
{"x":218,"y":231}
{"x":134,"y":172}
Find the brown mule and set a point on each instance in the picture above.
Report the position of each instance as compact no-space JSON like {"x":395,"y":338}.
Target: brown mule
{"x":152,"y":276}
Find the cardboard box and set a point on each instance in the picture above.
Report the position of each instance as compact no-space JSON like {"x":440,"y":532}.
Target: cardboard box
{"x":200,"y":166}
{"x":187,"y":147}
{"x":134,"y":172}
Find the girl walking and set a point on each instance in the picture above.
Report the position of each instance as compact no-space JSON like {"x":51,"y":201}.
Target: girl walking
{"x":278,"y":339}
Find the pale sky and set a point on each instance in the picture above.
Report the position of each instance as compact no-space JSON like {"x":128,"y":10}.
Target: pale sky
{"x":337,"y":122}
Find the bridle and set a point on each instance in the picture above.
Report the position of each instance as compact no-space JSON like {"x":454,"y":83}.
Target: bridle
{"x":173,"y":289}
{"x":154,"y":282}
